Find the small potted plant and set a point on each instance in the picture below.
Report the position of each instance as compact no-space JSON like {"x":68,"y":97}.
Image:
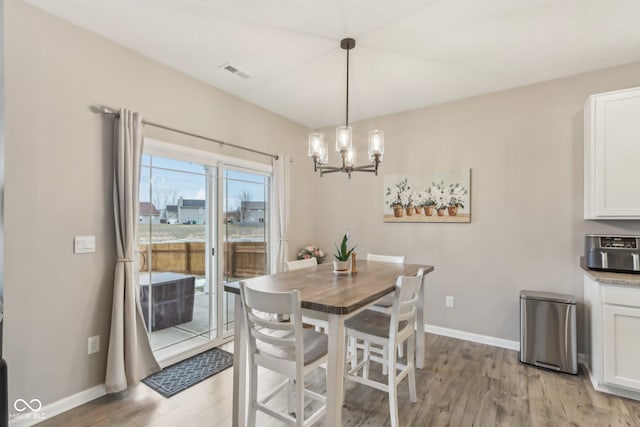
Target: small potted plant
{"x":429,"y":202}
{"x":457,"y":198}
{"x":440,"y":197}
{"x":418,"y":201}
{"x":342,"y":260}
{"x":407,"y":201}
{"x":395,"y":199}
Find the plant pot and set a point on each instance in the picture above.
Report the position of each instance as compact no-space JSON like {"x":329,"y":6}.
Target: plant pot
{"x":441,"y":212}
{"x":341,"y":265}
{"x":418,"y":210}
{"x":409,"y":210}
{"x":428,"y":210}
{"x":397,"y":211}
{"x":453,"y":210}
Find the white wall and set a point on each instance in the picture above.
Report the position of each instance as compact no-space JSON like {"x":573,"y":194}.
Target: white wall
{"x":59,"y":184}
{"x":524,"y":147}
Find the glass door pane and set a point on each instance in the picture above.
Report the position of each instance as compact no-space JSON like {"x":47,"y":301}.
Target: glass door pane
{"x":245,"y":224}
{"x":177,"y":272}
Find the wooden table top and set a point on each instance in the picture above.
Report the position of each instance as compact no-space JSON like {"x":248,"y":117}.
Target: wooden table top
{"x":322,"y":290}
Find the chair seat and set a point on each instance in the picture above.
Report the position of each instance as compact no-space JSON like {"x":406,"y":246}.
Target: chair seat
{"x":315,"y":346}
{"x":373,"y":323}
{"x":386,"y":301}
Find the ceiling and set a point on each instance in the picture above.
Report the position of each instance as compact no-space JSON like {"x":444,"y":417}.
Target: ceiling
{"x":409,"y":53}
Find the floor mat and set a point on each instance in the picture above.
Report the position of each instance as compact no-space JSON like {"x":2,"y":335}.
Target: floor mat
{"x":176,"y":378}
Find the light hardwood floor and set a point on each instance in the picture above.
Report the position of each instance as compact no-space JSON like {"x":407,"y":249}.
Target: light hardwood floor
{"x":463,"y":384}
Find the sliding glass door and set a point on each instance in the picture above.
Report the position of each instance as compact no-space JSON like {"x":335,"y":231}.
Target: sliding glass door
{"x":202,"y":223}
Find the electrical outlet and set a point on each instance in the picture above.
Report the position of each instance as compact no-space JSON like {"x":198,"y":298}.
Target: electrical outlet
{"x":93,"y":345}
{"x":449,"y":302}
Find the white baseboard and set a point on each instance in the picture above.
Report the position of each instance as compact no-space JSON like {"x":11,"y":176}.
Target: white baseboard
{"x":470,"y":336}
{"x":604,"y":388}
{"x":18,"y":419}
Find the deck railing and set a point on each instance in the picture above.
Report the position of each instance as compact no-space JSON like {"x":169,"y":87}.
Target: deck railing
{"x":241,"y":259}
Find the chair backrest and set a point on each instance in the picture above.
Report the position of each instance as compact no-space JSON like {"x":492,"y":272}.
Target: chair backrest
{"x":261,"y":310}
{"x":301,"y":263}
{"x":386,"y":258}
{"x":405,"y":301}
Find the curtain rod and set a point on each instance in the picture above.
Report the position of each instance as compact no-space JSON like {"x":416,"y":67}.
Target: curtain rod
{"x":114,"y":112}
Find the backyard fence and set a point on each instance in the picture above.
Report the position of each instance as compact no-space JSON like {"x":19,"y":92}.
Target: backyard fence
{"x":241,"y":259}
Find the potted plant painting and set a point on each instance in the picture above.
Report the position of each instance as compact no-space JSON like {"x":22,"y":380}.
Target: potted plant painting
{"x":342,"y":260}
{"x":457,"y":198}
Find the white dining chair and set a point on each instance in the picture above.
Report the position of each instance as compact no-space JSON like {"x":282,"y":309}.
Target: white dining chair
{"x":383,"y":305}
{"x":320,"y":325}
{"x":388,"y":331}
{"x":283,"y":347}
{"x":300,"y":263}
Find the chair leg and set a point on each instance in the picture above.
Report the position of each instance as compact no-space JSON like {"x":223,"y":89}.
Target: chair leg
{"x":367,"y":354}
{"x":393,"y":386}
{"x":385,"y":361}
{"x":353,"y":351}
{"x":346,"y":369}
{"x":299,"y":392}
{"x":290,"y":395}
{"x":411,"y":356}
{"x":253,"y":394}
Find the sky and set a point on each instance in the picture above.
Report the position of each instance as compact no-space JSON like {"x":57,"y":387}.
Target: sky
{"x":172,"y":179}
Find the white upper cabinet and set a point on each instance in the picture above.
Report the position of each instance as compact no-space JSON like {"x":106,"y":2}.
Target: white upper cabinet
{"x":612,"y":155}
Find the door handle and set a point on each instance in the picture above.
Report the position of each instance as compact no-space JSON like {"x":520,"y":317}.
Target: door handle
{"x":636,"y":261}
{"x":605,"y":260}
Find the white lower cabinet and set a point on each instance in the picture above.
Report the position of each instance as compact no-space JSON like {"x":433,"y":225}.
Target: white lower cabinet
{"x":612,"y":339}
{"x":622,"y":345}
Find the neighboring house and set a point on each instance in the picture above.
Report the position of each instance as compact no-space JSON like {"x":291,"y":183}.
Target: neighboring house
{"x":191,"y":211}
{"x":149,"y":214}
{"x":170,"y":215}
{"x":252,"y":212}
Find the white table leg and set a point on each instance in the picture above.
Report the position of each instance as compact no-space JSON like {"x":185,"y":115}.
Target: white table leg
{"x":239,"y":367}
{"x":420,"y":330}
{"x":335,"y":371}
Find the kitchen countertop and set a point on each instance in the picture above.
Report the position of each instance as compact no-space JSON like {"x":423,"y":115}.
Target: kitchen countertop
{"x":609,"y":277}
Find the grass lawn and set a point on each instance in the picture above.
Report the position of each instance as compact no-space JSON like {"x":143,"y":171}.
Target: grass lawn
{"x":182,"y":232}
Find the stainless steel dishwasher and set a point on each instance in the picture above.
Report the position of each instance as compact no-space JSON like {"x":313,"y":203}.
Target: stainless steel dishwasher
{"x":548,"y":331}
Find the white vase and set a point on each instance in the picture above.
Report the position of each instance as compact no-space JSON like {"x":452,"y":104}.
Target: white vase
{"x":341,"y":265}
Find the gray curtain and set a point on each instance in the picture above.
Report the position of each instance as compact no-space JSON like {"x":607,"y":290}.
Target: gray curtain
{"x":130,"y":358}
{"x":281,"y":206}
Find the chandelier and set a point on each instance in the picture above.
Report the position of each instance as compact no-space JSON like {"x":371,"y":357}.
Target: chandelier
{"x":319,"y":151}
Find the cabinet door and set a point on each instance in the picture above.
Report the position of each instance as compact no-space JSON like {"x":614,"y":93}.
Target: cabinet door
{"x":612,"y":155}
{"x":622,"y":346}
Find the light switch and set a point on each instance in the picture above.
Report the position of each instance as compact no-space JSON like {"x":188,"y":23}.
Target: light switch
{"x":84,"y":244}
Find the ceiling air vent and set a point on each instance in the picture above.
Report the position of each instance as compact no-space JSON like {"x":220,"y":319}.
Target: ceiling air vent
{"x":235,"y":70}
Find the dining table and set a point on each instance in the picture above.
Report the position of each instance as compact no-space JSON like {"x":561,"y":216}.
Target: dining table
{"x":333,"y":297}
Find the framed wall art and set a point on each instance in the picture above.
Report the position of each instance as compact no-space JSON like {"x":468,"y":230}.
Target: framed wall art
{"x":431,"y":197}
